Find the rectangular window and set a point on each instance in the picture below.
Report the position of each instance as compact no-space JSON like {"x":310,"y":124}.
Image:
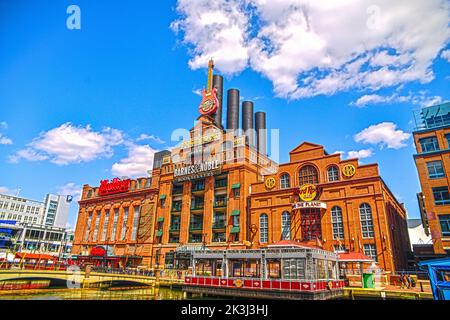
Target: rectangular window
{"x":105,"y":225}
{"x":435,"y":169}
{"x":429,"y":144}
{"x":124,"y":224}
{"x":135,"y":223}
{"x":97,"y":220}
{"x":444,"y":221}
{"x":370,"y":250}
{"x":447,"y":137}
{"x":441,"y":196}
{"x":88,"y":230}
{"x":114,"y":229}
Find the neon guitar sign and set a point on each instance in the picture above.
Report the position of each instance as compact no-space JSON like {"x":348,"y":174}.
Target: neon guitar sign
{"x":209,"y":103}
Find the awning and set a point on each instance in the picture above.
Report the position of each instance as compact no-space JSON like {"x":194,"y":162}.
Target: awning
{"x":35,"y":256}
{"x":235,"y":229}
{"x":160,"y":219}
{"x":162,"y":196}
{"x":235,"y":212}
{"x":235,"y":186}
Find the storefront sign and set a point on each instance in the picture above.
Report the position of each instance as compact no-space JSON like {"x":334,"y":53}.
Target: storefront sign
{"x":307,"y":205}
{"x":349,"y":170}
{"x":115,"y":186}
{"x":98,"y":251}
{"x":198,"y":170}
{"x":201,"y":140}
{"x":307,"y":192}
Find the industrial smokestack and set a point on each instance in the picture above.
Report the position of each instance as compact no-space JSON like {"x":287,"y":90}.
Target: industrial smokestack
{"x":247,"y":122}
{"x":218,"y":83}
{"x":261,"y":134}
{"x":233,"y":110}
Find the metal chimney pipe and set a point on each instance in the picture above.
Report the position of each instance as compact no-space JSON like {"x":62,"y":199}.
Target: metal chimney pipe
{"x":247,"y":122}
{"x":218,"y":83}
{"x":233,"y":109}
{"x":261,"y":132}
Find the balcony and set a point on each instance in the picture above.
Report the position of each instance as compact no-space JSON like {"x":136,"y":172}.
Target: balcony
{"x":196,"y":226}
{"x":222,"y":183}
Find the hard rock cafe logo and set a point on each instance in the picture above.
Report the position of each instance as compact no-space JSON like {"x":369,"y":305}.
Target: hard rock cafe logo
{"x":349,"y":170}
{"x":270,"y":183}
{"x":307,"y":192}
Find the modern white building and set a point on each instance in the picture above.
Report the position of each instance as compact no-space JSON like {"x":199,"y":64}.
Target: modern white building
{"x":53,"y":211}
{"x":21,"y":210}
{"x":44,"y":239}
{"x":417,"y":234}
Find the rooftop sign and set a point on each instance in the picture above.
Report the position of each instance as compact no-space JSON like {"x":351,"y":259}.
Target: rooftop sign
{"x":115,"y":186}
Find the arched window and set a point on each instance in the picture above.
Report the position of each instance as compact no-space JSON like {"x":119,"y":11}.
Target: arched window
{"x":337,"y":223}
{"x":263,"y":228}
{"x":333,"y":174}
{"x":365,"y":215}
{"x":308,"y":174}
{"x":285,"y":181}
{"x":285,"y":226}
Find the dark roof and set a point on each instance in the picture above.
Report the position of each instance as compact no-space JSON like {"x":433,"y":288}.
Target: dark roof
{"x":413,"y":223}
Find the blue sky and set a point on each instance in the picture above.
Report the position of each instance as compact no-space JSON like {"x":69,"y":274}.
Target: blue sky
{"x":78,"y":106}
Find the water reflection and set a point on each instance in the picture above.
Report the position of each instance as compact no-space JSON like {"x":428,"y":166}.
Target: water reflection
{"x":95,"y":294}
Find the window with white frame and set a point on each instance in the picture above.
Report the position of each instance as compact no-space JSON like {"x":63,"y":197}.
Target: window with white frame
{"x":337,"y":223}
{"x":285,"y":226}
{"x":370,"y":250}
{"x":333,"y":174}
{"x":365,"y":214}
{"x":285,"y":181}
{"x":263,"y":228}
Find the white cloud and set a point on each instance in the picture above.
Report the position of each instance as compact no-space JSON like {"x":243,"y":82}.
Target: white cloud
{"x":70,"y":189}
{"x":137,"y":163}
{"x":8,"y":191}
{"x":68,"y":144}
{"x":360,"y":154}
{"x":383,"y":134}
{"x":446,"y":55}
{"x":150,"y":137}
{"x":308,"y":48}
{"x":214,"y":29}
{"x":5,"y":140}
{"x":421,"y":99}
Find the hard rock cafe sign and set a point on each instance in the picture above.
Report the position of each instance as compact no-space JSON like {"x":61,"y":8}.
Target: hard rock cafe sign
{"x":209,"y":103}
{"x":115,"y":186}
{"x":307,"y":192}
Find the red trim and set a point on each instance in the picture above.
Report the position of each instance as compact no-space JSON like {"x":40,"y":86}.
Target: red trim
{"x":264,"y":284}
